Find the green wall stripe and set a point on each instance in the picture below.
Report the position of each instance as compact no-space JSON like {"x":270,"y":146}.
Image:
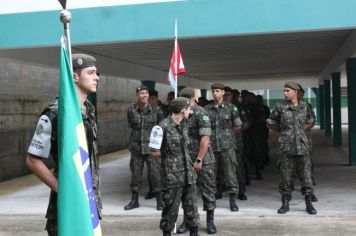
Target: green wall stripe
{"x":196,"y":18}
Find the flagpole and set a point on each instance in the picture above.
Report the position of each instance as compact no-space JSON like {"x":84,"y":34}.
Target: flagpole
{"x":65,"y":17}
{"x":176,"y":59}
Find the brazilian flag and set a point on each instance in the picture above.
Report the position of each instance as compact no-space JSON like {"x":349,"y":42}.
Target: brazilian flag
{"x":77,"y":211}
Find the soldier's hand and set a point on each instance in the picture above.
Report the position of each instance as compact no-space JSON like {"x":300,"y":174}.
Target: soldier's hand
{"x":197,"y":166}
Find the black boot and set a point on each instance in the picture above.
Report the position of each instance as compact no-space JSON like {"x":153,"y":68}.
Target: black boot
{"x":314,"y":198}
{"x":289,"y":196}
{"x":194,"y":231}
{"x":159,"y":201}
{"x":309,"y":206}
{"x":242,"y":196}
{"x":133,"y":203}
{"x":258,"y":173}
{"x":149,"y":195}
{"x":232,"y":201}
{"x":182,"y":228}
{"x":166,"y":233}
{"x":219,"y":192}
{"x":210,"y":226}
{"x":285,"y":204}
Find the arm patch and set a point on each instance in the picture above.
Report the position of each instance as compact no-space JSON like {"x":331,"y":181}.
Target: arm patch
{"x":41,"y":142}
{"x":156,"y":138}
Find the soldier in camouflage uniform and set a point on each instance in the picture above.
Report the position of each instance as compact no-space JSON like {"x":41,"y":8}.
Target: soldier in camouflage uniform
{"x":141,"y":118}
{"x":44,"y":141}
{"x":225,"y":121}
{"x":301,"y":97}
{"x":203,"y":158}
{"x":229,"y":96}
{"x":292,"y":118}
{"x":169,"y":140}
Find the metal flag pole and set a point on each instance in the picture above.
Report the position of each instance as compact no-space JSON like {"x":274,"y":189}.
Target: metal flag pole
{"x":66,"y":17}
{"x":176,"y":59}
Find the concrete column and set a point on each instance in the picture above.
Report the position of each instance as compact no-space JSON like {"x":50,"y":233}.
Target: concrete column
{"x":336,"y":108}
{"x":322,"y":106}
{"x":317,"y":104}
{"x":327,"y":107}
{"x":351,"y":98}
{"x":149,"y":83}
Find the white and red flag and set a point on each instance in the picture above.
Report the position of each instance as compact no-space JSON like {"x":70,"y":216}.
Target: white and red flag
{"x":176,"y":66}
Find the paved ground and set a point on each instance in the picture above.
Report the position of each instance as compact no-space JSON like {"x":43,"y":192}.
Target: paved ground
{"x":23,"y":201}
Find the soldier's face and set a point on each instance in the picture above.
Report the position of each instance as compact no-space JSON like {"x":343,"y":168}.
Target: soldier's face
{"x":154,"y":100}
{"x":87,"y":79}
{"x":228,"y":96}
{"x":143,"y":96}
{"x":186,"y":112}
{"x":218,"y":94}
{"x":290,"y":94}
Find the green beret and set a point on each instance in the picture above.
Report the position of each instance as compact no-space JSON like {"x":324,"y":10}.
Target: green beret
{"x":153,"y":92}
{"x":301,"y":88}
{"x":180,"y":102}
{"x":227,"y":89}
{"x":292,"y":85}
{"x":187,"y":92}
{"x":141,"y":88}
{"x":82,"y":60}
{"x":217,"y":86}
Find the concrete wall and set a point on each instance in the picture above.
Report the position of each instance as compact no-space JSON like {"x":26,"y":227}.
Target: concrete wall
{"x":26,"y":89}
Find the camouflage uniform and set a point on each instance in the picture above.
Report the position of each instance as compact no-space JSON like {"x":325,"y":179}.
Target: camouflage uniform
{"x":178,"y":176}
{"x":88,"y":114}
{"x":294,"y":145}
{"x":141,"y":122}
{"x":222,"y":138}
{"x":199,"y":125}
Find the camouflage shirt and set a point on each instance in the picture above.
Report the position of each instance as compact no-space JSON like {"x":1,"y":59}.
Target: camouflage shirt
{"x":291,"y":119}
{"x":177,"y":167}
{"x":141,"y":122}
{"x":88,"y":114}
{"x":198,"y":125}
{"x":222,"y":119}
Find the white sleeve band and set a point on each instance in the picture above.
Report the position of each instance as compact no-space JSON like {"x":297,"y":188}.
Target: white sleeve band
{"x":156,"y":138}
{"x":41,"y":141}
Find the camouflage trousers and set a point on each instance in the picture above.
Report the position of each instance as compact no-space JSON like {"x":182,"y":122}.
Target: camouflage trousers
{"x":312,"y":171}
{"x":226,"y":170}
{"x":137,"y":162}
{"x":240,"y":171}
{"x":301,"y":166}
{"x":206,"y":183}
{"x":171,"y":198}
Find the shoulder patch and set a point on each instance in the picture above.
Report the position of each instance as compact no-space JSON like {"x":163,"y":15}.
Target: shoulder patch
{"x":156,"y":137}
{"x":205,"y":118}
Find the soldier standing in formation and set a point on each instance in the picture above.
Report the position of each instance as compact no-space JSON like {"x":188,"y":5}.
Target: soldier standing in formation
{"x":292,"y":118}
{"x":45,"y":142}
{"x":225,"y":121}
{"x":203,"y":158}
{"x":141,"y":118}
{"x":169,"y":141}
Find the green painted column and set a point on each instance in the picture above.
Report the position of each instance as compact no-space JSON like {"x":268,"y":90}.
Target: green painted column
{"x":317,"y":105}
{"x":149,"y":83}
{"x":322,"y":106}
{"x":203,"y":92}
{"x":351,"y":98}
{"x":327,"y":107}
{"x":336,"y":108}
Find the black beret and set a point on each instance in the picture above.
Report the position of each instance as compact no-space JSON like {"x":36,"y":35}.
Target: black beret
{"x":301,"y":88}
{"x":180,"y":102}
{"x":187,"y":92}
{"x":170,"y":94}
{"x":217,"y":86}
{"x":153,"y":92}
{"x":292,"y":85}
{"x":82,"y":60}
{"x":227,"y":89}
{"x":141,"y":88}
